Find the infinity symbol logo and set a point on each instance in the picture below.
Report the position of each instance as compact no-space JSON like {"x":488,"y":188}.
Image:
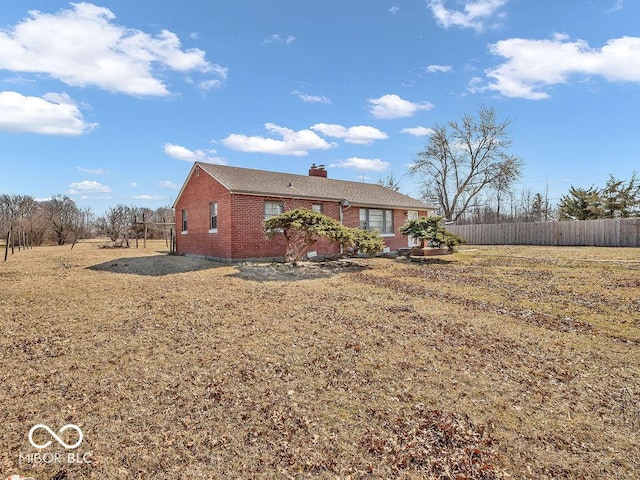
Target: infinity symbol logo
{"x":56,"y":437}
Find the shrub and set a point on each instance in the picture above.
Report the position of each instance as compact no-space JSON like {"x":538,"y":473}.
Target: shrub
{"x":431,"y":230}
{"x":301,"y":228}
{"x":366,"y":242}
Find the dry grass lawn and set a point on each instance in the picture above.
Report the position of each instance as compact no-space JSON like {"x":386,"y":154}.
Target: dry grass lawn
{"x":517,"y":362}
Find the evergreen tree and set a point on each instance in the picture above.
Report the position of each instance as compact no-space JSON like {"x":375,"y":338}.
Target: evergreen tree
{"x":581,"y":204}
{"x":620,"y":198}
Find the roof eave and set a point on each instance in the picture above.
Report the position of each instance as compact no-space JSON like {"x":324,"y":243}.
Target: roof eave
{"x":184,"y":184}
{"x":394,"y":207}
{"x":287,"y":195}
{"x":334,"y":199}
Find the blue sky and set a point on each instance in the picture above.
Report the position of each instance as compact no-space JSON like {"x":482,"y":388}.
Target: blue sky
{"x":111,"y":102}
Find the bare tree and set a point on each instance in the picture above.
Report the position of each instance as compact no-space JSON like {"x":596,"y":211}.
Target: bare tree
{"x":25,"y":213}
{"x":16,"y":208}
{"x":113,"y":223}
{"x":463,"y":159}
{"x":391,"y":182}
{"x":540,"y":209}
{"x":63,"y":217}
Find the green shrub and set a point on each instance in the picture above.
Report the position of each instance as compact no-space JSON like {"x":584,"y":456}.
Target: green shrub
{"x":431,"y":230}
{"x":301,"y":228}
{"x":366,"y":242}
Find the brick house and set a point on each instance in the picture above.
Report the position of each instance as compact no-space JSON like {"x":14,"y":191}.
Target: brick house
{"x":220,"y":210}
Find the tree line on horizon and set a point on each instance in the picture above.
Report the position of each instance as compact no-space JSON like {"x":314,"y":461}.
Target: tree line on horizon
{"x":60,"y":221}
{"x":468,"y":171}
{"x":616,"y":199}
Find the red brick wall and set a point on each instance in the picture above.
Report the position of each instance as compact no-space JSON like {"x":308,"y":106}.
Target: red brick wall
{"x":249,"y":238}
{"x":394,"y":242}
{"x":240,"y":234}
{"x":196,"y":197}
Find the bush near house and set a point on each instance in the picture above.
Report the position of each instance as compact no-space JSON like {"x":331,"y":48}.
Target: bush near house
{"x":431,"y":230}
{"x":365,"y":242}
{"x":301,"y":228}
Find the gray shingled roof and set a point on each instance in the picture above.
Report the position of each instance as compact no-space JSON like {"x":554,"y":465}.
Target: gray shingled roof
{"x":260,"y":182}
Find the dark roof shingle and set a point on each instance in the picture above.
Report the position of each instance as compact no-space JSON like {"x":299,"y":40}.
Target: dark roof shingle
{"x":261,"y":182}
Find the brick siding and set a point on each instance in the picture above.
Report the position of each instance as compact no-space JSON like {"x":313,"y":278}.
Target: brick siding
{"x":240,"y":234}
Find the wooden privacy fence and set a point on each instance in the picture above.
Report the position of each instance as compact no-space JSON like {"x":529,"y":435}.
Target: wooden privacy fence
{"x":613,"y":232}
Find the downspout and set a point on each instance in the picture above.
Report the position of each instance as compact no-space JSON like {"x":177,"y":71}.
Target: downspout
{"x":344,"y":205}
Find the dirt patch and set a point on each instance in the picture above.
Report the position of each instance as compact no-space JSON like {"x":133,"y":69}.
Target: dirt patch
{"x":157,"y":265}
{"x":160,"y":265}
{"x":303,"y":271}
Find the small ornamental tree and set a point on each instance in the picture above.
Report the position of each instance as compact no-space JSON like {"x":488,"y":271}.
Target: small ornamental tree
{"x":301,"y":228}
{"x":431,"y":230}
{"x":366,"y":242}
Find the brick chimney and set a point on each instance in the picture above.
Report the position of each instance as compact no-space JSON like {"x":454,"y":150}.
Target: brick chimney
{"x":318,"y":171}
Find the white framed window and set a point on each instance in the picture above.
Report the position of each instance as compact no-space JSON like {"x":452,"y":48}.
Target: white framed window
{"x":377,"y":220}
{"x":272,"y":209}
{"x":184,"y":221}
{"x":213,"y":217}
{"x":317,"y":207}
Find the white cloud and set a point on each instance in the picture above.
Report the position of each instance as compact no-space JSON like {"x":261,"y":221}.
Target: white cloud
{"x":392,"y":106}
{"x":53,"y":114}
{"x":367,"y":164}
{"x":82,"y":46}
{"x":92,"y":171}
{"x":133,"y":184}
{"x":88,"y":186}
{"x":438,"y":68}
{"x":310,"y":98}
{"x":474,"y":15}
{"x":297,"y":143}
{"x":533,"y":65}
{"x":418,"y":131}
{"x":476,"y":85}
{"x":219,"y":76}
{"x":617,"y":6}
{"x":361,"y":134}
{"x":148,"y":197}
{"x":278,"y":38}
{"x":395,"y":9}
{"x":168,"y":184}
{"x":182,"y":153}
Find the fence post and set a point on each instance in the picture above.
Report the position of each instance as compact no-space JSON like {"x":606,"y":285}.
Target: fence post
{"x":164,"y":229}
{"x":135,"y":228}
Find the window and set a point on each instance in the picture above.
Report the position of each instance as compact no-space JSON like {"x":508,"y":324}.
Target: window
{"x":317,"y":207}
{"x":376,"y":220}
{"x":213,"y":213}
{"x":272,"y":209}
{"x":184,"y":221}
